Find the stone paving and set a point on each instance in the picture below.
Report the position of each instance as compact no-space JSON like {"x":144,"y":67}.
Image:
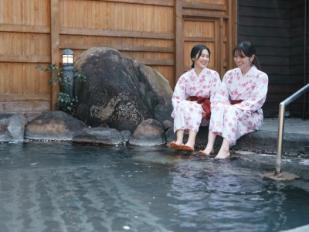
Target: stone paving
{"x":295,"y":137}
{"x":295,"y":142}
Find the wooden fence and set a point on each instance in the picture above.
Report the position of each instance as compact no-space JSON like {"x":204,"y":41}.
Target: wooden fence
{"x":158,"y":33}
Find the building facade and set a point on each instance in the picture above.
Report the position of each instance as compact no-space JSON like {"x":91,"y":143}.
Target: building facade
{"x":158,"y":33}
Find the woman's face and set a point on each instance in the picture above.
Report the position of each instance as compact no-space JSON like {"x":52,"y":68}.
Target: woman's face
{"x":203,"y":60}
{"x":242,"y":61}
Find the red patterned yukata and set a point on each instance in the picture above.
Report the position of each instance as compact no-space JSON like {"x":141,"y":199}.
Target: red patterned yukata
{"x":231,"y":121}
{"x":188,"y":114}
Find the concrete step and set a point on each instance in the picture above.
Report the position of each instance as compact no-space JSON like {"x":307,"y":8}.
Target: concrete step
{"x":295,"y":140}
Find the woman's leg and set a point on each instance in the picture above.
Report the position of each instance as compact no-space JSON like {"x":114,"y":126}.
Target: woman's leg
{"x":224,"y":151}
{"x":191,"y":139}
{"x":230,"y":130}
{"x":179,"y":137}
{"x":210,"y":143}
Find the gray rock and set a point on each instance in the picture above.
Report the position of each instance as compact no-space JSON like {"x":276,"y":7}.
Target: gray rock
{"x":304,"y":228}
{"x":167,"y":124}
{"x":55,"y":125}
{"x":16,"y":127}
{"x":119,"y":92}
{"x":162,"y":92}
{"x":126,"y":134}
{"x":170,"y":135}
{"x":100,"y":135}
{"x":12,"y":127}
{"x":148,"y":133}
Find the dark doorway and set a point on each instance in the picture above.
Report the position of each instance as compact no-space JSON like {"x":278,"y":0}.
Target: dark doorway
{"x":279,"y":29}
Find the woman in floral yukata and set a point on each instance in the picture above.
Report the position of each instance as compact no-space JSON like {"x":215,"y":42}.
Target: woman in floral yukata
{"x":236,"y":109}
{"x":192,"y":96}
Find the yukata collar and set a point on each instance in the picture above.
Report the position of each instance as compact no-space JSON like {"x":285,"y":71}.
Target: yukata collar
{"x":201,"y":73}
{"x":250,"y":72}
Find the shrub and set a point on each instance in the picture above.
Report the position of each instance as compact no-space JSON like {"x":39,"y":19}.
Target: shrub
{"x":66,"y":99}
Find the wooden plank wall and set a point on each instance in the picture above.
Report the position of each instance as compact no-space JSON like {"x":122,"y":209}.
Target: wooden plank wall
{"x":306,"y":101}
{"x":306,"y":58}
{"x":297,"y":51}
{"x":25,"y":43}
{"x":143,"y":30}
{"x":276,"y":27}
{"x":159,"y":33}
{"x":211,"y":22}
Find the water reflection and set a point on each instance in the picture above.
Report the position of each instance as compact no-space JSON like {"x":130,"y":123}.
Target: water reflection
{"x":60,"y":187}
{"x":224,"y":196}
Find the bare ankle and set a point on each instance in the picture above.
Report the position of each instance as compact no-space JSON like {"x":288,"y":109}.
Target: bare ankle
{"x":207,"y":151}
{"x":223,"y":154}
{"x":190,"y":145}
{"x":179,"y":142}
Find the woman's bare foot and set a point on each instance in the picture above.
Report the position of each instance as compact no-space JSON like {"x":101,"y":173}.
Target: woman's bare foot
{"x":189,"y":144}
{"x":175,"y":145}
{"x":207,"y":151}
{"x":187,"y":147}
{"x":224,"y":151}
{"x":178,"y":142}
{"x":223,"y":155}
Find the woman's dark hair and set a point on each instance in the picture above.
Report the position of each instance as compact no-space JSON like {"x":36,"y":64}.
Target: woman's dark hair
{"x":196,"y":52}
{"x":247,"y":48}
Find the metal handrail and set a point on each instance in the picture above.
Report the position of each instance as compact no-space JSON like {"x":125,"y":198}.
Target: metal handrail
{"x":282,"y":106}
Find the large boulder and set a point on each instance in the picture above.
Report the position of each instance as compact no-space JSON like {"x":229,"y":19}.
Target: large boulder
{"x":119,"y":92}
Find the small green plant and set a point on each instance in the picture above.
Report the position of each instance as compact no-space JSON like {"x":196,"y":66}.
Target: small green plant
{"x":66,"y":99}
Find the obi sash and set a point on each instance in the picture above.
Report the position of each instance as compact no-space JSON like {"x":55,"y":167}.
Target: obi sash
{"x":233,"y":102}
{"x":204,"y":102}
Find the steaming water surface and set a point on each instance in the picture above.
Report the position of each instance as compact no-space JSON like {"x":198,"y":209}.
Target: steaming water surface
{"x":64,"y":187}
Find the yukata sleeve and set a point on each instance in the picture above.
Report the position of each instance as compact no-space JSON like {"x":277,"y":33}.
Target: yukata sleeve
{"x":179,"y":91}
{"x":216,"y":83}
{"x":221,"y":94}
{"x":257,"y":96}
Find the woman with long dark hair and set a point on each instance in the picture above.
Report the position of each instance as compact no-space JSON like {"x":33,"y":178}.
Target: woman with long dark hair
{"x":237,"y":108}
{"x":192,"y":96}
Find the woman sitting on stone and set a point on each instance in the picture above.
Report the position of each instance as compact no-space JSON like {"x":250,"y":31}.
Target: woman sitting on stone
{"x":192,"y":96}
{"x":237,"y":108}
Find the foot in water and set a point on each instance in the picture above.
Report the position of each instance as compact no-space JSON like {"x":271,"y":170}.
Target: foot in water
{"x":180,"y":146}
{"x":186,"y":148}
{"x":175,"y":145}
{"x":223,"y":155}
{"x":207,"y":151}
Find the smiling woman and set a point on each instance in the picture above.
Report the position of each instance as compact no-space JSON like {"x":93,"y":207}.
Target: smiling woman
{"x":192,"y":96}
{"x":237,"y":109}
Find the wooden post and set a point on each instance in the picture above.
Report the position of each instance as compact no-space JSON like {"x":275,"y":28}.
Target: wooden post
{"x":232,"y":30}
{"x":55,"y":41}
{"x":220,"y":48}
{"x":217,"y":48}
{"x":179,"y":41}
{"x":230,"y":41}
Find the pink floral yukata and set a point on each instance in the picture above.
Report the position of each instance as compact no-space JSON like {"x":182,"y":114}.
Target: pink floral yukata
{"x":188,"y":114}
{"x":232,"y":121}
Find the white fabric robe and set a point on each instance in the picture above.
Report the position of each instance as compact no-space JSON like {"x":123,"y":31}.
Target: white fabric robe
{"x":233,"y":121}
{"x":188,"y":114}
